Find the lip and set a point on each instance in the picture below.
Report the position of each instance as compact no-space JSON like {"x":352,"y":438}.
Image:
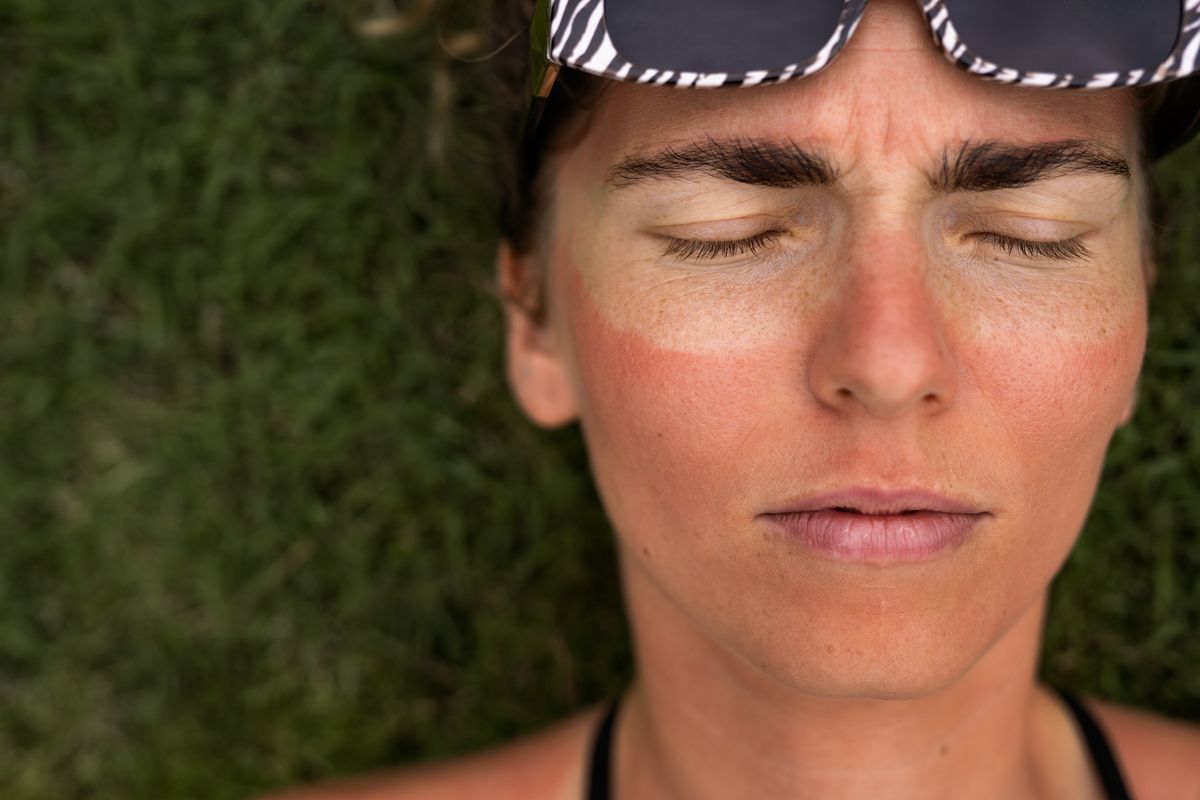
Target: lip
{"x":875,"y":525}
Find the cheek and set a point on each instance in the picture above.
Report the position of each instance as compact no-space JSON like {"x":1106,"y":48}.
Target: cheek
{"x":669,"y":416}
{"x":1044,"y":390}
{"x":1056,"y":383}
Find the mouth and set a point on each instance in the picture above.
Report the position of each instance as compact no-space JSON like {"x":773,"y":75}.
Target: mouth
{"x":879,"y":526}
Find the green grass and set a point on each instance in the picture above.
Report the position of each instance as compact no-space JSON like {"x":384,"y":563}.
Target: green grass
{"x":267,"y":513}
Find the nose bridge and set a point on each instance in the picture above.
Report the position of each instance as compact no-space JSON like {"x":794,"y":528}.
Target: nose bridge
{"x":887,"y":287}
{"x":884,"y":350}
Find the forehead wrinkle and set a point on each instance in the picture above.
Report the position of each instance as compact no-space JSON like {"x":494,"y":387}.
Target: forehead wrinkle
{"x":855,"y":111}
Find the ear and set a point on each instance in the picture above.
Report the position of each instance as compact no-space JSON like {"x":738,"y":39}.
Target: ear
{"x":536,"y":360}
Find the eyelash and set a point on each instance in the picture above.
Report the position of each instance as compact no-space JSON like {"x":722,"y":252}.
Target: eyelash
{"x":712,"y":249}
{"x":1065,"y":250}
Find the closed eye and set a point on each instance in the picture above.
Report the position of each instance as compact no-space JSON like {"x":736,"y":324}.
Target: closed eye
{"x":714,"y":249}
{"x":1065,"y":250}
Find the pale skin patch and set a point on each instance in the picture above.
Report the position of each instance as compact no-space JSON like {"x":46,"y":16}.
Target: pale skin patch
{"x":862,"y":227}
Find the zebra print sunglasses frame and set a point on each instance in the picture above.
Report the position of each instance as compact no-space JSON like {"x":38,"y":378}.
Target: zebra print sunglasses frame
{"x":574,"y":33}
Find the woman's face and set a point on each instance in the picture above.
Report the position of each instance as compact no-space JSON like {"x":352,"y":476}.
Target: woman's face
{"x":889,"y":276}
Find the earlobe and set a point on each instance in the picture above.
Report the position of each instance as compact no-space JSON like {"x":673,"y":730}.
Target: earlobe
{"x":536,"y":360}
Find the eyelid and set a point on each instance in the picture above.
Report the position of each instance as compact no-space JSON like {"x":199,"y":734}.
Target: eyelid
{"x":1023,"y":225}
{"x":726,"y":228}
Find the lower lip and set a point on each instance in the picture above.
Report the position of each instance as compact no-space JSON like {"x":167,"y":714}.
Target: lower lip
{"x":849,"y":536}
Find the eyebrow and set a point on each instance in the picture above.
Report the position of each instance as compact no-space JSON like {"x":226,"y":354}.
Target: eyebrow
{"x":780,"y":165}
{"x":990,"y":166}
{"x":975,"y":167}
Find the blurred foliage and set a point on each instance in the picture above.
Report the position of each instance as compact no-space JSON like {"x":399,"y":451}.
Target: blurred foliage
{"x":267,"y":513}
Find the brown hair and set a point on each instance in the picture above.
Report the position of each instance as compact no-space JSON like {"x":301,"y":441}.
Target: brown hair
{"x":523,"y":200}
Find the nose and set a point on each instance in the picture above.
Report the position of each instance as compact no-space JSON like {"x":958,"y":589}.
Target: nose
{"x":883,"y":350}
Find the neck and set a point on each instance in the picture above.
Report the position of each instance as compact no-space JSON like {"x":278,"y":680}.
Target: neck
{"x":702,"y":722}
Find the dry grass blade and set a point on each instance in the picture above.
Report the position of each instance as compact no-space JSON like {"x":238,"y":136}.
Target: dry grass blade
{"x":383,"y":20}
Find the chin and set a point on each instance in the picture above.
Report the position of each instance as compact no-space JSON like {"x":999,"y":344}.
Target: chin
{"x":874,"y":639}
{"x":903,"y":666}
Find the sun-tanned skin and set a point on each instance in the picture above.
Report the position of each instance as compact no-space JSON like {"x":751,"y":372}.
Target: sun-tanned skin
{"x":877,"y":326}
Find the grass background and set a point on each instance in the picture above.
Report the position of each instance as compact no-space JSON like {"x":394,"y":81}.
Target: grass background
{"x":267,"y":513}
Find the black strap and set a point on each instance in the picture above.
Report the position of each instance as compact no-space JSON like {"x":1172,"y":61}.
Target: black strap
{"x":600,"y":768}
{"x":1103,"y":759}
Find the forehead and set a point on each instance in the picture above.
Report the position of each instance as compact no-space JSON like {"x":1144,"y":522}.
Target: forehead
{"x":890,"y":94}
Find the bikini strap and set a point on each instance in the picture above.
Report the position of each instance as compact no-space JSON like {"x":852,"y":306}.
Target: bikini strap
{"x":1103,"y":758}
{"x":600,"y":761}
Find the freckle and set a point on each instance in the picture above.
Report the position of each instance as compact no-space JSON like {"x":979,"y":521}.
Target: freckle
{"x":829,"y":649}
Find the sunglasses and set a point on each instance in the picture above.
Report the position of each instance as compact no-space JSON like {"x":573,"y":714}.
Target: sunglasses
{"x":1093,"y":44}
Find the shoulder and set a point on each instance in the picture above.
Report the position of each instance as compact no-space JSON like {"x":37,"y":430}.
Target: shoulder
{"x":548,"y":765}
{"x":1159,"y":756}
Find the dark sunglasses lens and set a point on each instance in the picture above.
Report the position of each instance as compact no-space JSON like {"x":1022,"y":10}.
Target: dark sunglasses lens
{"x":719,"y":35}
{"x":1080,"y":37}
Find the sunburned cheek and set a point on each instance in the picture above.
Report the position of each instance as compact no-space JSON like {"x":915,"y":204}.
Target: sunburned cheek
{"x":1060,"y":354}
{"x":672,"y":417}
{"x":1059,"y":390}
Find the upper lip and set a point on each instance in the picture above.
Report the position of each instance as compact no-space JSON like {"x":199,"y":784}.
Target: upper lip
{"x":867,"y":500}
